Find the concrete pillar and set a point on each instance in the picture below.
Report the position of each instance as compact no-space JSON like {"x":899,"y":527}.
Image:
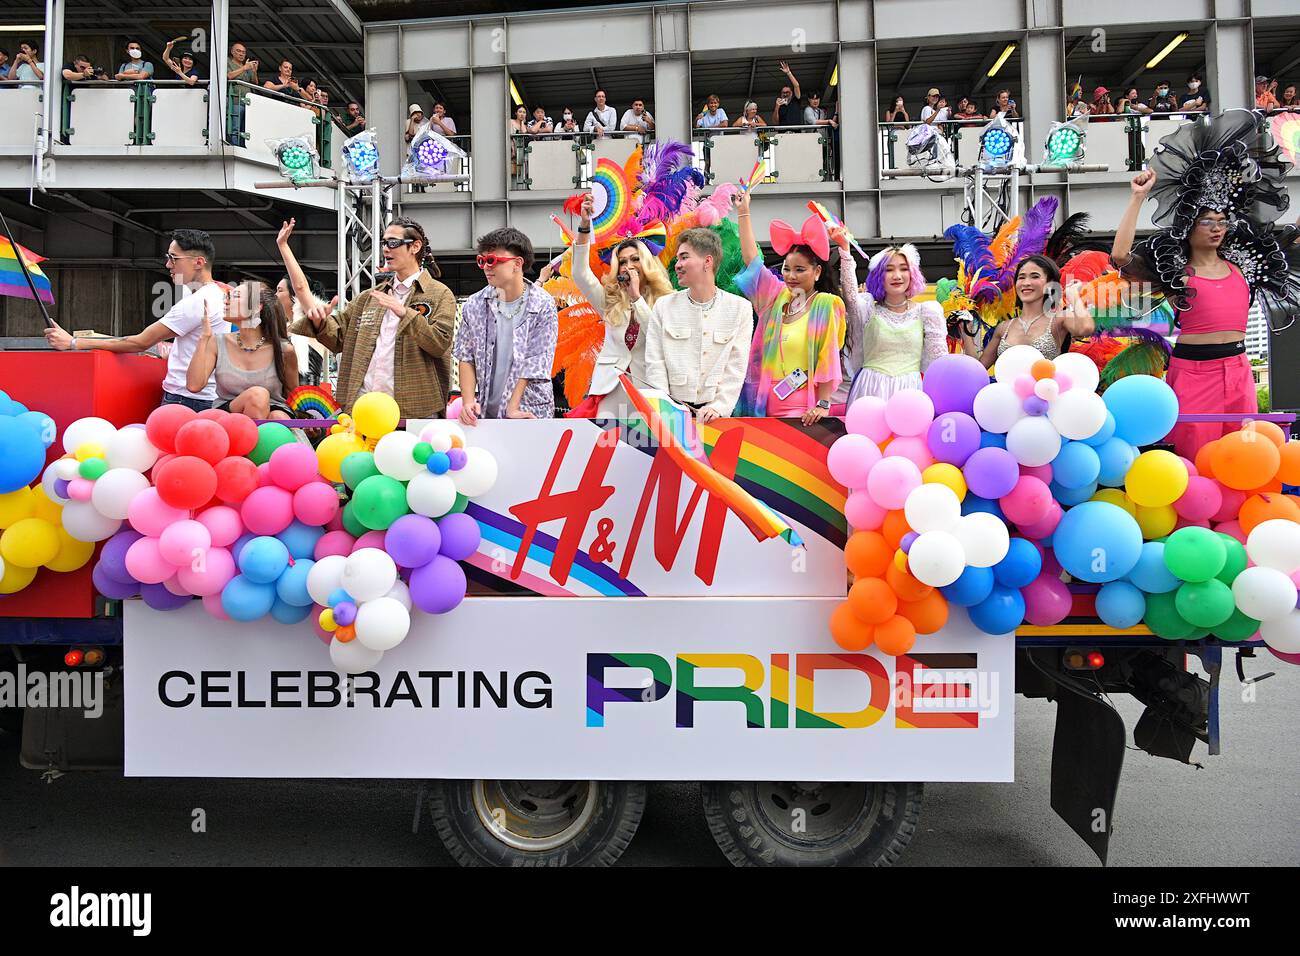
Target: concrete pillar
{"x":1229,"y":64}
{"x":859,"y":138}
{"x":488,"y":89}
{"x":673,"y":115}
{"x":1042,"y":87}
{"x":218,"y":85}
{"x":52,"y":54}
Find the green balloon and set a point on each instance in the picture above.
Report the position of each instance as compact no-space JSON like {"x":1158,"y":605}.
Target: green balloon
{"x":1237,"y":628}
{"x":422,"y":451}
{"x":459,"y":506}
{"x":1164,"y":620}
{"x":1204,"y":603}
{"x":357,"y":467}
{"x":379,"y":501}
{"x":350,"y":523}
{"x":92,"y":468}
{"x":1195,"y":554}
{"x":270,"y":436}
{"x":1236,"y":562}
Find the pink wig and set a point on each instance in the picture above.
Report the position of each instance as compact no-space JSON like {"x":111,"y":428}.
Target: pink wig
{"x":880,"y":263}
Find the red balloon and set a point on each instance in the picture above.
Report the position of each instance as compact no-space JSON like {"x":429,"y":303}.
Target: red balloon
{"x":214,"y":414}
{"x":236,"y":479}
{"x":163,"y":423}
{"x":186,"y":482}
{"x":242,"y":432}
{"x":162,"y":460}
{"x":203,"y":439}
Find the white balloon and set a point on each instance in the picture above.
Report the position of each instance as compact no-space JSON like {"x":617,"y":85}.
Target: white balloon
{"x":932,"y":507}
{"x":67,"y":468}
{"x":1047,"y":389}
{"x":1015,"y":362}
{"x":47,"y":482}
{"x":325,"y":577}
{"x":431,"y":495}
{"x":83,"y":522}
{"x":114,"y":490}
{"x":131,"y":448}
{"x":1083,"y":372}
{"x":96,"y":431}
{"x":368,"y":574}
{"x":1283,"y":635}
{"x":1266,"y":594}
{"x":1275,"y":544}
{"x":353,"y":657}
{"x":382,"y":624}
{"x":998,"y":407}
{"x":393,"y":456}
{"x":439,"y":432}
{"x":401,"y":593}
{"x":1077,"y":414}
{"x":2,"y":567}
{"x":936,"y":558}
{"x":1033,"y":441}
{"x":983,"y":538}
{"x":479,"y":474}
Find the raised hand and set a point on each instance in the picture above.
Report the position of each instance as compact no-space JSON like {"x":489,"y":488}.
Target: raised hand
{"x":57,"y":338}
{"x":205,"y":331}
{"x":633,"y":285}
{"x":587,"y":208}
{"x":839,"y":236}
{"x":1143,"y":182}
{"x":390,"y":302}
{"x":319,"y":313}
{"x":286,"y":230}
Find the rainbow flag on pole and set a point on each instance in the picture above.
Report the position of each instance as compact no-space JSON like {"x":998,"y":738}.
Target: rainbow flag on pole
{"x":12,"y":282}
{"x":673,"y":430}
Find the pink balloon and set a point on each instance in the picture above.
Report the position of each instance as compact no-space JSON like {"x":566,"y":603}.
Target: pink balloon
{"x":454,"y":407}
{"x":212,"y":604}
{"x":891,"y":481}
{"x":1023,"y":385}
{"x":1028,"y":503}
{"x":371,"y":539}
{"x":1191,"y":467}
{"x":909,"y":412}
{"x":914,"y":448}
{"x":863,"y":513}
{"x":1232,"y":502}
{"x":851,"y":459}
{"x":1190,"y":523}
{"x":1042,"y":472}
{"x":333,"y":542}
{"x":268,"y":510}
{"x":1200,"y":501}
{"x":1232,"y":528}
{"x":180,"y":542}
{"x":335,"y":523}
{"x":223,"y":523}
{"x":292,"y":466}
{"x":264,"y":478}
{"x":315,"y":503}
{"x":146,"y":564}
{"x":1041,"y":529}
{"x":150,"y":515}
{"x":866,"y":416}
{"x":80,"y":489}
{"x":1063,"y":379}
{"x":174,"y":585}
{"x":206,"y":578}
{"x":1047,"y":601}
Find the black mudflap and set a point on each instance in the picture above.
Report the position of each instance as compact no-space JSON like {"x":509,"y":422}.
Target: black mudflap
{"x":1087,"y":757}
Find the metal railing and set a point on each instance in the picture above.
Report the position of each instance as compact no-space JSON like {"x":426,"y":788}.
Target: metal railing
{"x":559,"y":160}
{"x":143,"y":97}
{"x":324,"y":121}
{"x":723,"y":158}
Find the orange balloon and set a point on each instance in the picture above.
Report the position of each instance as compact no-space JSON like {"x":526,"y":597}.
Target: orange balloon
{"x":905,"y":586}
{"x":1269,"y":430}
{"x":1245,"y":460}
{"x":896,"y":636}
{"x":849,"y":632}
{"x":346,"y":633}
{"x":1043,"y":368}
{"x":894,"y":528}
{"x":867,"y":555}
{"x":1202,"y":462}
{"x":1260,"y":508}
{"x":873,"y":600}
{"x":1290,"y":470}
{"x":1273,"y":487}
{"x":927,"y":615}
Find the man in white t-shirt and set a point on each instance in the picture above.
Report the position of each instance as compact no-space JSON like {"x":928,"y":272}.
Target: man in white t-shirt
{"x":602,"y":118}
{"x":189,"y":260}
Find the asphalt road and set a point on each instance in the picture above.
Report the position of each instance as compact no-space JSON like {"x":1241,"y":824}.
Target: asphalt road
{"x":1239,"y":810}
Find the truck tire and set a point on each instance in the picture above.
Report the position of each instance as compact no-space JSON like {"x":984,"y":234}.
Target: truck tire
{"x":536,"y":822}
{"x":812,"y":824}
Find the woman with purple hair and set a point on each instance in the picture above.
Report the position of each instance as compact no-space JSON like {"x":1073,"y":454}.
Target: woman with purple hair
{"x":891,"y":339}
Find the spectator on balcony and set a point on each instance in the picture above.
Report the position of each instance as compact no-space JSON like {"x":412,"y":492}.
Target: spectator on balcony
{"x":788,"y":110}
{"x":712,"y":116}
{"x":1164,"y":101}
{"x":79,"y":70}
{"x":1130,"y":103}
{"x":568,"y":125}
{"x":750,"y":119}
{"x":4,"y":64}
{"x":1101,"y":104}
{"x":136,"y":69}
{"x":239,"y":66}
{"x":284,"y":81}
{"x":356,"y":121}
{"x":897,"y":112}
{"x":967,"y":110}
{"x":637,"y":119}
{"x":307,"y":90}
{"x":1289,"y":97}
{"x":505,"y":342}
{"x":518,"y":122}
{"x":183,"y":66}
{"x":440,"y":122}
{"x":1003,"y":103}
{"x":539,"y":124}
{"x":602,"y":118}
{"x":814,"y":114}
{"x":28,"y":66}
{"x":253,"y":367}
{"x":1265,"y":93}
{"x":414,"y":120}
{"x":1197,"y":97}
{"x":323,"y":98}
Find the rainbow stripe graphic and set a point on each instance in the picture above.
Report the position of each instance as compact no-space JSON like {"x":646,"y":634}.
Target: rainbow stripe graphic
{"x":756,"y":175}
{"x":12,"y":282}
{"x":313,"y":401}
{"x":611,"y":195}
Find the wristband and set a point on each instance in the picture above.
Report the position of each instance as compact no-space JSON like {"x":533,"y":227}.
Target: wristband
{"x":824,"y":404}
{"x":584,"y":230}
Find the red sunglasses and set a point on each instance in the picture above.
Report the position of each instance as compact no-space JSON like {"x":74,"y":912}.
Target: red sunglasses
{"x":490,"y":260}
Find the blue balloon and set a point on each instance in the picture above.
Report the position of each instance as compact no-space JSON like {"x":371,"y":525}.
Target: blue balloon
{"x":289,"y":613}
{"x":992,"y":440}
{"x":237,"y":548}
{"x":1072,"y":496}
{"x":1145,"y":408}
{"x":338,"y":596}
{"x":973,"y":503}
{"x":999,"y":613}
{"x":246,"y":600}
{"x":1120,"y":604}
{"x":974,"y":585}
{"x":300,"y":539}
{"x":1151,"y":574}
{"x":42,"y":424}
{"x":1103,"y":434}
{"x":291,"y":587}
{"x":1098,"y":542}
{"x":1115,"y":457}
{"x":263,"y":559}
{"x":1075,"y":465}
{"x":22,"y":455}
{"x":1021,"y":565}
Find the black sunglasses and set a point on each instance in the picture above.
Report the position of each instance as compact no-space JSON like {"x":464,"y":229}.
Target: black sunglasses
{"x":396,"y":243}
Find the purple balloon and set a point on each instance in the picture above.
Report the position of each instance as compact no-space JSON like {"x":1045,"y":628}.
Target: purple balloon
{"x":160,"y":599}
{"x":952,"y":381}
{"x":61,"y":487}
{"x":460,"y":536}
{"x":457,"y":457}
{"x":345,"y":612}
{"x":110,"y":587}
{"x":1034,"y":405}
{"x":906,"y":543}
{"x":112,"y":560}
{"x":991,"y":472}
{"x":953,"y":437}
{"x":412,"y":541}
{"x":439,"y":586}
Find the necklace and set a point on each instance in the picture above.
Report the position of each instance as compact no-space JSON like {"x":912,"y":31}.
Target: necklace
{"x":1025,"y":327}
{"x":702,"y":306}
{"x":250,"y":348}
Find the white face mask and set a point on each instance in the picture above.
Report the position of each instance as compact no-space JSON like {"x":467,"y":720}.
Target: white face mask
{"x":134,"y":54}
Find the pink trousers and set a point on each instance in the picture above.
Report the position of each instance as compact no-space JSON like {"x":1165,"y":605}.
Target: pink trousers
{"x":1222,"y":386}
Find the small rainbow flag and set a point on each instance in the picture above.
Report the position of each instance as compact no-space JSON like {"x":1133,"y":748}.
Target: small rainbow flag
{"x":756,"y":175}
{"x":673,"y":430}
{"x":313,"y":401}
{"x":830,"y":219}
{"x":12,"y":282}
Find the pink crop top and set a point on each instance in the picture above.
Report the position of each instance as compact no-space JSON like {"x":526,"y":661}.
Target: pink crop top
{"x":1219,"y":305}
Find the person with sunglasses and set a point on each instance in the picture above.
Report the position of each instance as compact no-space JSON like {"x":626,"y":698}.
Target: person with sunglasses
{"x":393,"y":338}
{"x":505,"y":342}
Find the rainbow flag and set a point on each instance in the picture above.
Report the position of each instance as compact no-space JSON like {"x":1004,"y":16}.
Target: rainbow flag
{"x":12,"y":282}
{"x":673,"y":430}
{"x":756,"y":175}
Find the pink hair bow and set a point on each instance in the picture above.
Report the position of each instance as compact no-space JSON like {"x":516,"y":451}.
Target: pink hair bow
{"x":811,"y":234}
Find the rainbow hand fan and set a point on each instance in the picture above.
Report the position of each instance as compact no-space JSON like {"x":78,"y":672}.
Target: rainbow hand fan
{"x":313,"y":401}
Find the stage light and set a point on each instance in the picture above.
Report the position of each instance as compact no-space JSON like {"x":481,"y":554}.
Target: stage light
{"x":1169,"y":48}
{"x":997,"y":141}
{"x":1065,"y":143}
{"x":993,"y":70}
{"x":430,"y":156}
{"x":296,"y":158}
{"x":361,"y":156}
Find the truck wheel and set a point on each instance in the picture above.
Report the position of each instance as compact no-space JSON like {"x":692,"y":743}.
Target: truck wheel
{"x":536,"y":822}
{"x":812,"y":824}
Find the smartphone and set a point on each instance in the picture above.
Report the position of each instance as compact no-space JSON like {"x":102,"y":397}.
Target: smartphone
{"x":790,"y":384}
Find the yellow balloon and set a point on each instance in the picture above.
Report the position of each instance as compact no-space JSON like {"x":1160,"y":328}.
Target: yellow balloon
{"x":15,"y":506}
{"x":46,"y":508}
{"x":900,"y":559}
{"x":375,"y":414}
{"x":942,"y":473}
{"x":327,"y":622}
{"x":72,"y":554}
{"x":15,"y":578}
{"x":1114,"y":496}
{"x":1156,"y":478}
{"x":29,"y":543}
{"x":89,"y":450}
{"x":331,"y":452}
{"x":1156,"y":522}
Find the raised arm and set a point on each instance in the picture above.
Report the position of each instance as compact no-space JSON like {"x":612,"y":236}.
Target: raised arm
{"x":1121,"y":251}
{"x":204,"y":359}
{"x":855,"y":309}
{"x":748,"y":247}
{"x":297,"y":278}
{"x":583,"y":277}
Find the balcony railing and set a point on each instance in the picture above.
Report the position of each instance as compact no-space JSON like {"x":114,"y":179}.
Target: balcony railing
{"x":794,"y":154}
{"x":255,"y":115}
{"x":566,"y":160}
{"x":151,"y":113}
